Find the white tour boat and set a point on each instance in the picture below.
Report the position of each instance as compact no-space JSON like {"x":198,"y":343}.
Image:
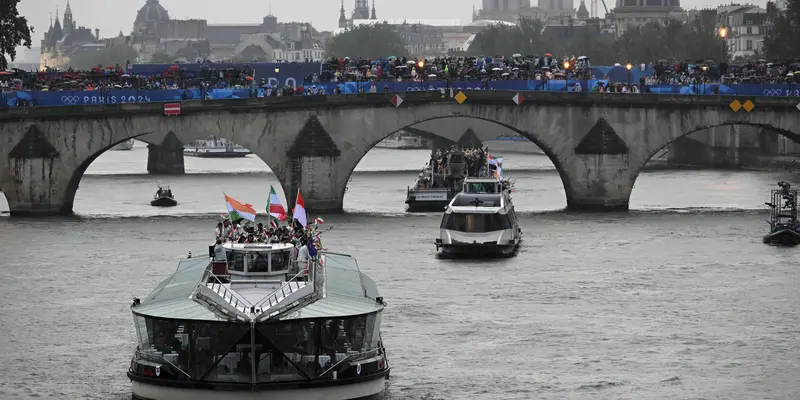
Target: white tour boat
{"x":215,"y":147}
{"x":249,"y":322}
{"x":402,"y":142}
{"x":480,"y":221}
{"x":124,"y":146}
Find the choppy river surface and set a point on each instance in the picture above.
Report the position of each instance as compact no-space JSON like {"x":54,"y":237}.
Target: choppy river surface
{"x":677,"y":299}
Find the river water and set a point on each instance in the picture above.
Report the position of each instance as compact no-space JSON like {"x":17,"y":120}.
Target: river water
{"x":677,"y":299}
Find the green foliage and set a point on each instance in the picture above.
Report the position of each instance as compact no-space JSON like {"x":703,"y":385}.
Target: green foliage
{"x":14,"y":31}
{"x":642,"y":44}
{"x":654,"y":41}
{"x":367,"y":41}
{"x":782,"y":42}
{"x":161,"y":58}
{"x":119,"y":54}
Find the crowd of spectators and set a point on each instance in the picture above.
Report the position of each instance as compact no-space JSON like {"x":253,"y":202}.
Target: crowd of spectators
{"x":392,"y":69}
{"x":117,"y":78}
{"x":674,"y":72}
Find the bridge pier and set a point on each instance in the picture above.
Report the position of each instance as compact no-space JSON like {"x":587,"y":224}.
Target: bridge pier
{"x":605,"y":184}
{"x":321,"y":181}
{"x":166,"y":158}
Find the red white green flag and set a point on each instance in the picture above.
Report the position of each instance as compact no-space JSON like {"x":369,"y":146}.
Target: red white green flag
{"x":274,"y":206}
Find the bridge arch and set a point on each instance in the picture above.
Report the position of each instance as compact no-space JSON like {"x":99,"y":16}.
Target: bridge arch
{"x":185,"y":137}
{"x":763,"y":127}
{"x":374,"y":139}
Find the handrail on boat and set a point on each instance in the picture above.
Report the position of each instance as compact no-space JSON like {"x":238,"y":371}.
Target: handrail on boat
{"x":286,"y":285}
{"x":234,"y":296}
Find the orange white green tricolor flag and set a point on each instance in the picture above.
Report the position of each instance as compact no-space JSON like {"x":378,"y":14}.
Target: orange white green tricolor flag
{"x":274,"y":206}
{"x":239,"y":211}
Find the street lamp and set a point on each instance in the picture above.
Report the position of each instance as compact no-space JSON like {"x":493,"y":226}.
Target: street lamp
{"x":723,"y":32}
{"x":705,"y":68}
{"x":566,"y":76}
{"x":628,"y":67}
{"x":278,"y":74}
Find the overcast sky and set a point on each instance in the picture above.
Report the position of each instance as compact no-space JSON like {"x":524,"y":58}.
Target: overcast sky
{"x":112,"y":15}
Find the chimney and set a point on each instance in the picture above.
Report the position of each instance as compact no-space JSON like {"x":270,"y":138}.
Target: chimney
{"x":97,"y":33}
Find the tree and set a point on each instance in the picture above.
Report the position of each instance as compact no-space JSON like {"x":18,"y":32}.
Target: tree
{"x":117,"y":54}
{"x":368,"y":41}
{"x":781,"y":41}
{"x":527,"y":37}
{"x":14,"y":31}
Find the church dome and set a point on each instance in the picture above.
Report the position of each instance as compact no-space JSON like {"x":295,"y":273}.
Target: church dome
{"x":151,"y":12}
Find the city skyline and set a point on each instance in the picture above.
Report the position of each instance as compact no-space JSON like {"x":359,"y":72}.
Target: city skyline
{"x":96,"y":14}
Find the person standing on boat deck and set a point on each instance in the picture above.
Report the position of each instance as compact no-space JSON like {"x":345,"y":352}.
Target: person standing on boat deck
{"x":219,"y":251}
{"x":302,"y":255}
{"x":219,"y":232}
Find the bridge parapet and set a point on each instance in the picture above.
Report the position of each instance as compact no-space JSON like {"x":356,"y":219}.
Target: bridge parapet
{"x":483,"y":97}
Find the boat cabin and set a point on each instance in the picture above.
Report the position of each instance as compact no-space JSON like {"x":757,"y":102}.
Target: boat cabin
{"x":265,"y":262}
{"x":783,"y":208}
{"x":163,"y":191}
{"x":486,"y":185}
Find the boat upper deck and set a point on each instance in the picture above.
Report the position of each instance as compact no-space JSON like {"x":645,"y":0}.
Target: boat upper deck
{"x":192,"y":293}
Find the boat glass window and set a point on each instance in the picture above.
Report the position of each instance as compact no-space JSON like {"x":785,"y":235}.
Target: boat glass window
{"x":295,"y":341}
{"x":475,"y":223}
{"x":215,"y":354}
{"x":259,"y":262}
{"x":480,"y":187}
{"x":280,"y":260}
{"x":235,"y":261}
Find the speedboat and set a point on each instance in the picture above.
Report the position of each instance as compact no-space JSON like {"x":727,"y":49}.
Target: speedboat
{"x":163,"y":198}
{"x":258,"y":324}
{"x":784,"y":226}
{"x":480,"y":221}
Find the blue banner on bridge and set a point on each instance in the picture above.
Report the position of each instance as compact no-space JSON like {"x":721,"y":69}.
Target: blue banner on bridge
{"x":67,"y":98}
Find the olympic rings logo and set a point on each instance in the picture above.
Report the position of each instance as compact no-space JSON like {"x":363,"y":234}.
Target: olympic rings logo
{"x":773,"y":92}
{"x":70,"y":99}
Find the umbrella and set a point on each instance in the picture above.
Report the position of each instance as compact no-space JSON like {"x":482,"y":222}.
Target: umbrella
{"x":497,"y":69}
{"x":432,"y":76}
{"x":583,"y":58}
{"x":548,"y":55}
{"x":517,"y":55}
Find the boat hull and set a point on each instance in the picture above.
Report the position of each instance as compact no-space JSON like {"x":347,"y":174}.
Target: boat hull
{"x":220,"y":154}
{"x":783,"y":237}
{"x":164,"y":202}
{"x":424,"y":201}
{"x":363,"y":388}
{"x":477,"y":250}
{"x":426,"y":206}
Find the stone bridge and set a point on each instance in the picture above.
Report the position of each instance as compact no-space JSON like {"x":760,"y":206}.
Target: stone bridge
{"x":598,"y":142}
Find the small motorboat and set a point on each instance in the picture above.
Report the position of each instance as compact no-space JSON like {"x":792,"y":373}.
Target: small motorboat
{"x":784,"y":227}
{"x":164,"y":198}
